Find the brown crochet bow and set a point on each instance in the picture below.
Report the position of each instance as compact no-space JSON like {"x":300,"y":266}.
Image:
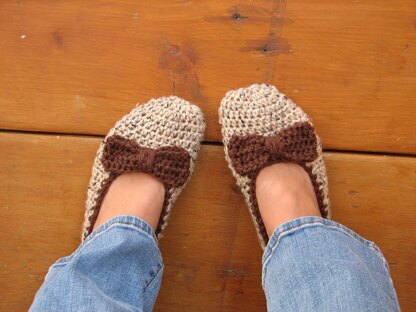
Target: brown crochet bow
{"x":251,"y":153}
{"x":169,"y":164}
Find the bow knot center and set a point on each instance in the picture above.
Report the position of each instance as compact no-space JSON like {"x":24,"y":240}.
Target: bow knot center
{"x":274,"y":146}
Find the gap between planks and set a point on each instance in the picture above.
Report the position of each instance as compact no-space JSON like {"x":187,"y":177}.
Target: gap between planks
{"x":205,"y":142}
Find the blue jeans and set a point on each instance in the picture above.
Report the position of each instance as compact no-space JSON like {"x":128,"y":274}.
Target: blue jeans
{"x":310,"y":264}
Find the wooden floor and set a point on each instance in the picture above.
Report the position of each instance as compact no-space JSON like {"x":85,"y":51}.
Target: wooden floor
{"x":69,"y":70}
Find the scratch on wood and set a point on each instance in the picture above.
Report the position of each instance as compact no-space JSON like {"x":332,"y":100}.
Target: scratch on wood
{"x":180,"y":60}
{"x":232,"y":273}
{"x":235,"y":189}
{"x":232,"y":237}
{"x":173,"y":84}
{"x":177,"y":59}
{"x":234,"y":14}
{"x":58,"y":37}
{"x":275,"y":43}
{"x":184,"y":272}
{"x":276,"y":46}
{"x":238,"y":17}
{"x":273,"y":46}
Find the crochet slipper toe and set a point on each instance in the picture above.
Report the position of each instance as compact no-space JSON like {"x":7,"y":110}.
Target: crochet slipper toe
{"x":261,"y":126}
{"x":161,"y":137}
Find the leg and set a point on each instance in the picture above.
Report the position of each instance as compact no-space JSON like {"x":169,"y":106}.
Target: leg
{"x":310,"y":263}
{"x":313,"y":264}
{"x":140,"y":169}
{"x":119,"y":266}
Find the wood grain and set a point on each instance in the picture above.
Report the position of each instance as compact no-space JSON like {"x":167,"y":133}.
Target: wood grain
{"x":77,"y":67}
{"x":212,"y":257}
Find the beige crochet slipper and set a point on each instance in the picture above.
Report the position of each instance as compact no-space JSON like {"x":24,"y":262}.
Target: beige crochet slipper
{"x":261,"y":126}
{"x":161,"y":137}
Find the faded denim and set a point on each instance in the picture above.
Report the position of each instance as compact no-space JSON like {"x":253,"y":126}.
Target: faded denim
{"x":309,"y":264}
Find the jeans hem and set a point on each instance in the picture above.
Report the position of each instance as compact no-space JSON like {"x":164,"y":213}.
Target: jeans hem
{"x":299,"y":223}
{"x":123,"y":220}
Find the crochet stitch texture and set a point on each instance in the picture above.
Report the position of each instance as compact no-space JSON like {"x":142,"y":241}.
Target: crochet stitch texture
{"x":261,"y":126}
{"x":161,"y":137}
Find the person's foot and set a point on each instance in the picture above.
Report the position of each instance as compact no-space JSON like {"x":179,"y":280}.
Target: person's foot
{"x":135,"y":194}
{"x":260,"y":127}
{"x":143,"y":163}
{"x":284,"y":192}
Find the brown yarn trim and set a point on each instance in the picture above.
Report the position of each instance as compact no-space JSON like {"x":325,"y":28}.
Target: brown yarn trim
{"x":164,"y":212}
{"x":255,"y":209}
{"x":169,"y":164}
{"x":318,"y":192}
{"x":104,"y":189}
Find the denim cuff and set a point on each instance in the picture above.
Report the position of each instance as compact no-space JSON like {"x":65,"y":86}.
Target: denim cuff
{"x":299,"y":223}
{"x":127,"y":220}
{"x":123,"y":220}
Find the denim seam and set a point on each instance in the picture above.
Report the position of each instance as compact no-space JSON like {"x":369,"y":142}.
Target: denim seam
{"x":109,"y":224}
{"x":154,"y":278}
{"x":99,"y":231}
{"x":284,"y":233}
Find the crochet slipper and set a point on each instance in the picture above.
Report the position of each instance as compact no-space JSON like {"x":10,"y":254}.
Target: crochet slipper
{"x":162,"y":138}
{"x":261,"y":126}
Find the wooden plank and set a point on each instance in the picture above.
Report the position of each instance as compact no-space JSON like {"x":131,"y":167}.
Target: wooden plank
{"x":76,"y":67}
{"x":210,"y":248}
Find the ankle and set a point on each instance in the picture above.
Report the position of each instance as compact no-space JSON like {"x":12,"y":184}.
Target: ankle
{"x":285,"y":192}
{"x":136,"y":194}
